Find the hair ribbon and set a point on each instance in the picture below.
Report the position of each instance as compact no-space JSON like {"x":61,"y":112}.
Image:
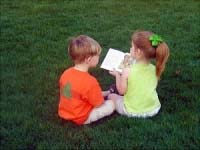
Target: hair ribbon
{"x":155,"y":40}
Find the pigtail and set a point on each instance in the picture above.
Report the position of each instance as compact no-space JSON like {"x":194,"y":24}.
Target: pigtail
{"x":153,"y":46}
{"x":162,"y":54}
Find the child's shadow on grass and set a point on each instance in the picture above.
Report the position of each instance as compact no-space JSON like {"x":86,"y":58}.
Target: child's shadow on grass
{"x":103,"y":120}
{"x":63,"y":122}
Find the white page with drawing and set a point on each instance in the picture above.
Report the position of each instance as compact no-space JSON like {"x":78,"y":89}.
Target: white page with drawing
{"x":116,"y":59}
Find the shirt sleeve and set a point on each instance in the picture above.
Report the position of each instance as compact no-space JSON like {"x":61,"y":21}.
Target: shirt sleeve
{"x":95,"y":97}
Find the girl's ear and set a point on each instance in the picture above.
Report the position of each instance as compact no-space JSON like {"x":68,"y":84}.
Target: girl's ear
{"x":139,"y":52}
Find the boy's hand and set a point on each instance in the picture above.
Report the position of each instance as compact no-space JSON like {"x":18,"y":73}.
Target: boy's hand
{"x":105,"y":93}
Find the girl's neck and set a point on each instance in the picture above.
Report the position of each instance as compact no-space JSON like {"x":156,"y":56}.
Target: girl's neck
{"x":81,"y":67}
{"x":142,"y":61}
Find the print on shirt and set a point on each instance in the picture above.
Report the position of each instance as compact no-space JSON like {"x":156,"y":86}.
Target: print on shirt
{"x":67,"y":91}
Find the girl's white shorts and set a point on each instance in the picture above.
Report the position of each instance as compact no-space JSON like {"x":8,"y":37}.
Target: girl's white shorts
{"x":120,"y":108}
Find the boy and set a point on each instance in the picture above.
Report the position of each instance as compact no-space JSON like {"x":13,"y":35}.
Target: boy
{"x":81,"y":98}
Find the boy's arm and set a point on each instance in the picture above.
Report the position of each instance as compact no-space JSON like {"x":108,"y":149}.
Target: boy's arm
{"x":105,"y":93}
{"x":95,"y":97}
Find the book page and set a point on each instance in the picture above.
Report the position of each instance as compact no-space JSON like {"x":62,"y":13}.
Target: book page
{"x":117,"y":60}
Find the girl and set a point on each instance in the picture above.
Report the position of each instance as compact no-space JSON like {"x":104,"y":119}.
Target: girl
{"x":138,"y":83}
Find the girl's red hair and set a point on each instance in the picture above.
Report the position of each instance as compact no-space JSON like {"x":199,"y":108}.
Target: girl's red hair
{"x":141,"y":40}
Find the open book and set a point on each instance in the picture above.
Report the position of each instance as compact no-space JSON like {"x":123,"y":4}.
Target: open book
{"x":117,"y":60}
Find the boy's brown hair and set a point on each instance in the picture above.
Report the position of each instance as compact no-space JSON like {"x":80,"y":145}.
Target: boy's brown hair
{"x":82,"y":47}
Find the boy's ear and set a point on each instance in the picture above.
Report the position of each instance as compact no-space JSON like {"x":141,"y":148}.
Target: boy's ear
{"x":87,"y":60}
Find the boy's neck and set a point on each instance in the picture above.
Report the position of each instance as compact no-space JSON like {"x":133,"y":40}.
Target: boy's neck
{"x":81,"y":67}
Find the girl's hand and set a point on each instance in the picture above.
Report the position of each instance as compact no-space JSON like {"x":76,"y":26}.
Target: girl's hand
{"x":114,"y":73}
{"x":125,"y":72}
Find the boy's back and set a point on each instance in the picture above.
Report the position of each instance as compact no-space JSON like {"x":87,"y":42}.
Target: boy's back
{"x":79,"y":93}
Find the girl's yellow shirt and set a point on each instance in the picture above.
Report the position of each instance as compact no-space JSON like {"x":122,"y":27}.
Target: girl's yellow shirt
{"x":141,"y":95}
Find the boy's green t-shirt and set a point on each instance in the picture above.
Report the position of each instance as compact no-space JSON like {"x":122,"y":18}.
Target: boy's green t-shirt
{"x":141,"y":95}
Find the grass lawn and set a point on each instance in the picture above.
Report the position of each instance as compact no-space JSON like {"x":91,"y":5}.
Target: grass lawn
{"x":33,"y":40}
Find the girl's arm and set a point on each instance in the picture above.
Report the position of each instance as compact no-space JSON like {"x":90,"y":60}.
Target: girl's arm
{"x":121,"y":80}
